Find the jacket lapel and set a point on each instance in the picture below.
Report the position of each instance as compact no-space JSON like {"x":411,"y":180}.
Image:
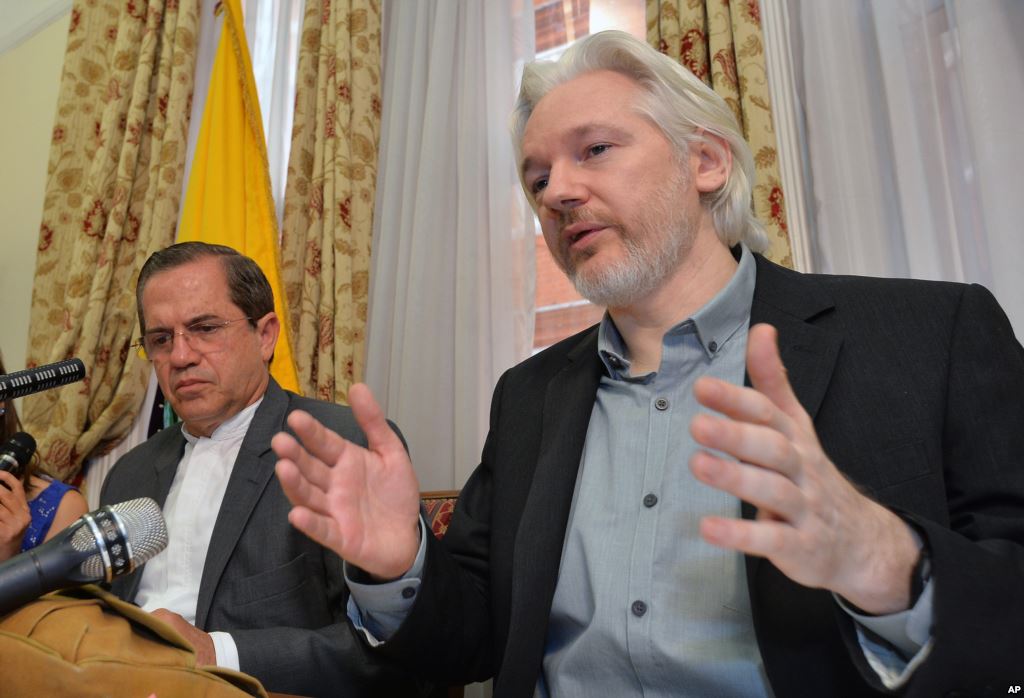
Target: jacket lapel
{"x":164,"y":468}
{"x":792,"y":302}
{"x":253,"y":469}
{"x":568,"y":402}
{"x":157,"y":486}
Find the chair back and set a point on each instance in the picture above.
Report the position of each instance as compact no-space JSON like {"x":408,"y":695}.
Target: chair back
{"x":438,"y":507}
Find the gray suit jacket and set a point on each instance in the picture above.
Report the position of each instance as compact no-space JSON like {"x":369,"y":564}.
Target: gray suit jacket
{"x":280,"y":595}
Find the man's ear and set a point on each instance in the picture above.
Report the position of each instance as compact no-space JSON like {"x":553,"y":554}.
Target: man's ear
{"x":713,"y":163}
{"x":268,"y":328}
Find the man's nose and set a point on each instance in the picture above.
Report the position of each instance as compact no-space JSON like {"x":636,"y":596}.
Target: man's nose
{"x":182,"y":353}
{"x":565,"y":189}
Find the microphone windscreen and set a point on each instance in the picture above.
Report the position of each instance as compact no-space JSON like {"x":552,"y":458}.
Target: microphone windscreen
{"x":17,"y":452}
{"x":145,"y":531}
{"x":34,"y":380}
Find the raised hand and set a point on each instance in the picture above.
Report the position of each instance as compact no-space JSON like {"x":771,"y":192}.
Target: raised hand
{"x":812,"y":523}
{"x":14,"y":515}
{"x":362,"y":503}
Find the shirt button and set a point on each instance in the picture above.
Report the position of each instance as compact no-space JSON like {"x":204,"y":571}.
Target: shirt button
{"x":408,"y":592}
{"x":712,"y":346}
{"x":650,"y":500}
{"x":639,"y":608}
{"x":661,"y":404}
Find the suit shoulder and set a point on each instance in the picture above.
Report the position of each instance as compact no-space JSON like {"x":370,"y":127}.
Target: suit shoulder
{"x":914,"y":302}
{"x":554,"y":357}
{"x":318,"y":407}
{"x":879,"y":297}
{"x":167,"y":438}
{"x":848,"y":283}
{"x":529,"y":378}
{"x":338,"y":418}
{"x":126,"y":470}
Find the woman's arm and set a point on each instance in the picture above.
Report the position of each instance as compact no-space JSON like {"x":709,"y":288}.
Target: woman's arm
{"x":72,"y":506}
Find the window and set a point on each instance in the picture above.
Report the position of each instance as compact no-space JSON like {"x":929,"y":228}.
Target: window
{"x":561,"y":311}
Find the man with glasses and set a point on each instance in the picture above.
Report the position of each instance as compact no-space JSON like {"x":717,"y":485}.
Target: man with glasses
{"x":245,"y":588}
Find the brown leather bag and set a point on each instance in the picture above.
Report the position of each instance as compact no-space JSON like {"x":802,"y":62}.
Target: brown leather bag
{"x":87,"y":642}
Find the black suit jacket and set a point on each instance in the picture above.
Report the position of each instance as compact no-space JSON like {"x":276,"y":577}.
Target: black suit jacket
{"x":280,"y":595}
{"x":917,"y":394}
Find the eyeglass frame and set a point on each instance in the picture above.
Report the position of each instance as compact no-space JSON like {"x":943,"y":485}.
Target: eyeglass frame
{"x":185,"y":334}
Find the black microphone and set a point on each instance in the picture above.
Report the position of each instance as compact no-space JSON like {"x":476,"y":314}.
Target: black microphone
{"x":107,"y":543}
{"x":16,"y":453}
{"x":34,"y":380}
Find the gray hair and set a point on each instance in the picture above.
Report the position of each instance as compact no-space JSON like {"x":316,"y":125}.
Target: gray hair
{"x":247,"y":283}
{"x":677,"y":102}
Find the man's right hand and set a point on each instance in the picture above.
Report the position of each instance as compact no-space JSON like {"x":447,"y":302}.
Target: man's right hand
{"x":361,"y":503}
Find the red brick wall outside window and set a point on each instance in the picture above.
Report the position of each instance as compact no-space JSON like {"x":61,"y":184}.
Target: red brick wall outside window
{"x":561,"y":311}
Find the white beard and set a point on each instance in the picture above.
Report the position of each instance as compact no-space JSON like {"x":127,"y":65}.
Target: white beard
{"x":655,"y":246}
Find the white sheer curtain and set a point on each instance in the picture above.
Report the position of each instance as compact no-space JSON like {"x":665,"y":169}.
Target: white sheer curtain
{"x":913,"y":111}
{"x":452,"y":269}
{"x":272,"y":30}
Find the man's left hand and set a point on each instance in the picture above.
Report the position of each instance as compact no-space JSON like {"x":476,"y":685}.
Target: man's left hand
{"x":811,"y":523}
{"x":206,"y":655}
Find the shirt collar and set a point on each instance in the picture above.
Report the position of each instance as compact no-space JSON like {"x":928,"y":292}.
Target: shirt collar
{"x":230,"y":428}
{"x":715,"y":323}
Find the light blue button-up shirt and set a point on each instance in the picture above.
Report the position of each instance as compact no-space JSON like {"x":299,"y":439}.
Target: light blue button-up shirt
{"x":643,"y":606}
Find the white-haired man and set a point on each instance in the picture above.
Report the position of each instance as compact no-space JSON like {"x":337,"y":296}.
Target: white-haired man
{"x":644,"y":523}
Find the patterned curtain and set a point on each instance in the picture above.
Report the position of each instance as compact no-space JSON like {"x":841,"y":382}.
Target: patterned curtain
{"x":722,"y":44}
{"x":112,"y":193}
{"x":332,"y":172}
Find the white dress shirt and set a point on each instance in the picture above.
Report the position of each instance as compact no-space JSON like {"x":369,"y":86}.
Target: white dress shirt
{"x":171,"y":580}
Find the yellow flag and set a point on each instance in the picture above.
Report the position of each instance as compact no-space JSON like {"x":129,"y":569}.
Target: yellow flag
{"x":228,"y":200}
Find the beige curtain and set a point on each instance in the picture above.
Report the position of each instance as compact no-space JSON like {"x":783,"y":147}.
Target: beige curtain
{"x":112,"y":193}
{"x":721,"y":42}
{"x":332,"y":172}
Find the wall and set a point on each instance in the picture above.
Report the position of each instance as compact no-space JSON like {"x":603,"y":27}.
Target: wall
{"x":29,"y":82}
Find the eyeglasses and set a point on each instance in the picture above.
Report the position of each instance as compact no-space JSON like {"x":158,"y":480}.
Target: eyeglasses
{"x":202,"y":336}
